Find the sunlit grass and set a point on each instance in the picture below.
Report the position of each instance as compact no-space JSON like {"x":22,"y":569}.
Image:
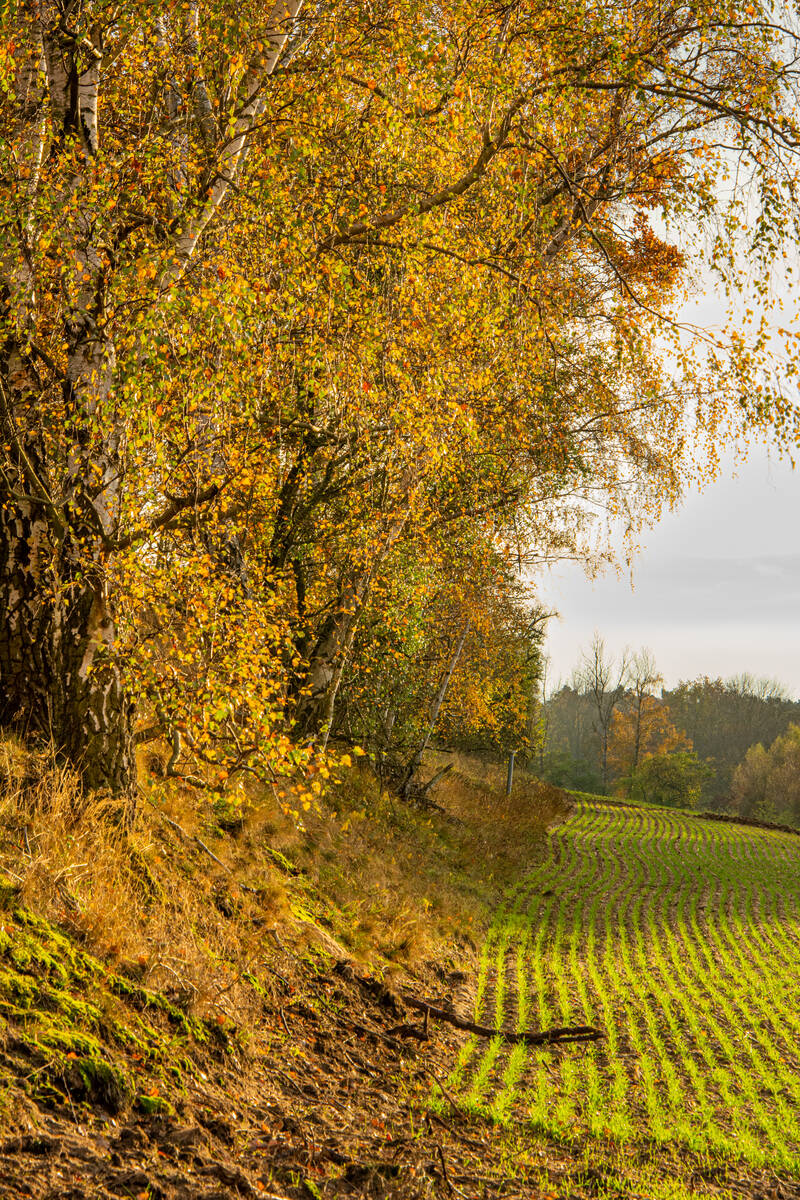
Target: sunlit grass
{"x":681,"y":938}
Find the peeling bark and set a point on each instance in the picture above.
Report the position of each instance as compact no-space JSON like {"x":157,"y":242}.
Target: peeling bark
{"x":55,"y":624}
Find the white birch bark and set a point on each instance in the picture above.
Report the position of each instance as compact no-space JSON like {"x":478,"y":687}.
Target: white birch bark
{"x":433,"y":716}
{"x":201,"y":102}
{"x":278,"y":29}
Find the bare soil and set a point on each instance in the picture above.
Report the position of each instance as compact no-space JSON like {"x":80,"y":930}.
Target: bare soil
{"x":330,"y":1103}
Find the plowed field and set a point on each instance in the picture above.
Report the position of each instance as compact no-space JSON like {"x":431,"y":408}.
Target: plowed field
{"x":678,"y":936}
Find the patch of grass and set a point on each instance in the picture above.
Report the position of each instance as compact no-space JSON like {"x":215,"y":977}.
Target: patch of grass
{"x":405,"y":881}
{"x":76,"y":1025}
{"x":681,"y":938}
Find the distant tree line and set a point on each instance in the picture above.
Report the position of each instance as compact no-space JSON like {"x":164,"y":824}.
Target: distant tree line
{"x":724,"y":718}
{"x":728,"y":744}
{"x":324,"y":325}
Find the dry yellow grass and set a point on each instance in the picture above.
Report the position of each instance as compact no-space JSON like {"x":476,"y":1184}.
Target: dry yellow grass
{"x":191,"y":907}
{"x":414,"y":880}
{"x":144,"y":897}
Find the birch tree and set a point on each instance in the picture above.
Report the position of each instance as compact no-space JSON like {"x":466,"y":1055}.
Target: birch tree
{"x":287,"y":292}
{"x":72,"y":243}
{"x":604,"y":679}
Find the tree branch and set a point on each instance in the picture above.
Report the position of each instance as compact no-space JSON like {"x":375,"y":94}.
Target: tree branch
{"x":490,"y":148}
{"x":176,"y":506}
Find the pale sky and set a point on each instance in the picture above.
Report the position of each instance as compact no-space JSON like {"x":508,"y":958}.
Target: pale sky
{"x":716,"y":586}
{"x":716,"y":589}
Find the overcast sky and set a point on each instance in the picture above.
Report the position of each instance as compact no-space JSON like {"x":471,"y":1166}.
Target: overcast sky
{"x":716,"y":589}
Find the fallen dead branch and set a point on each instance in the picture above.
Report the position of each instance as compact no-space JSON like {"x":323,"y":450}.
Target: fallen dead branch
{"x":543,"y":1037}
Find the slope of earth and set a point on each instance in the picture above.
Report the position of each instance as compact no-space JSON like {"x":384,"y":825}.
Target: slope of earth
{"x":210,"y":1003}
{"x":110,"y":1090}
{"x":194,"y":1005}
{"x":680,"y":937}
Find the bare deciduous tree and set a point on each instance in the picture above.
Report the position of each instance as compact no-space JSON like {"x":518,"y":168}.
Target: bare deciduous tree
{"x":604,"y":678}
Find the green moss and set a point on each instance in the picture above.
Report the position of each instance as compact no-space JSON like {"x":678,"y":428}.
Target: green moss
{"x":80,"y":1079}
{"x":103,"y":1082}
{"x":255,"y":984}
{"x":22,"y":988}
{"x":70,"y":1041}
{"x":155,"y":1106}
{"x":141,"y":997}
{"x":85,"y":1029}
{"x":9,"y":893}
{"x":27,"y":954}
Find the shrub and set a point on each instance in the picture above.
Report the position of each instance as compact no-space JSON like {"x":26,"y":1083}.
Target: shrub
{"x":767,"y":782}
{"x":674,"y":780}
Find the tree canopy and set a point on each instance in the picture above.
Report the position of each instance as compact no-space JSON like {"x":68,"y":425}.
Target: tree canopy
{"x":321,"y":325}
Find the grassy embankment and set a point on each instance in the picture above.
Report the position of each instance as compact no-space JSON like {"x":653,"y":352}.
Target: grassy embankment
{"x":131,"y":958}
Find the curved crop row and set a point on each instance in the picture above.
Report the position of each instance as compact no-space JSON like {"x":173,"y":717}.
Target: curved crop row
{"x":680,"y":937}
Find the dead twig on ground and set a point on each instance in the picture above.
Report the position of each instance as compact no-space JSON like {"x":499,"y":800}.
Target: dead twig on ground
{"x":419,"y":1032}
{"x":454,"y":1191}
{"x":473,"y":1143}
{"x":544,"y":1037}
{"x":192,"y":837}
{"x":376,"y":1033}
{"x":445,"y":1093}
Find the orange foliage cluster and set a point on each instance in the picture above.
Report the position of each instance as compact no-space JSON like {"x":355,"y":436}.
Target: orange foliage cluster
{"x":639,"y":735}
{"x":324,"y":325}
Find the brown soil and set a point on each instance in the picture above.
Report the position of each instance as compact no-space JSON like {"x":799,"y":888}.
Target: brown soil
{"x":331,"y":1103}
{"x":753,"y":822}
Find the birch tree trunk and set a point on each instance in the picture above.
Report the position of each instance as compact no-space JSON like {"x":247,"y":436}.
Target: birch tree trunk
{"x":61,"y":489}
{"x":56,"y":518}
{"x":56,"y":618}
{"x":433,"y":717}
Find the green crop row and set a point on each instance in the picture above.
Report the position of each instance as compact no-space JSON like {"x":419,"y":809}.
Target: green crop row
{"x":680,"y":938}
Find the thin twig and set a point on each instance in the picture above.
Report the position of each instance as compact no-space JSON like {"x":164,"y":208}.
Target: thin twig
{"x":292,"y":1084}
{"x":453,"y":1189}
{"x":192,"y":837}
{"x":456,"y":1133}
{"x":456,"y":1107}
